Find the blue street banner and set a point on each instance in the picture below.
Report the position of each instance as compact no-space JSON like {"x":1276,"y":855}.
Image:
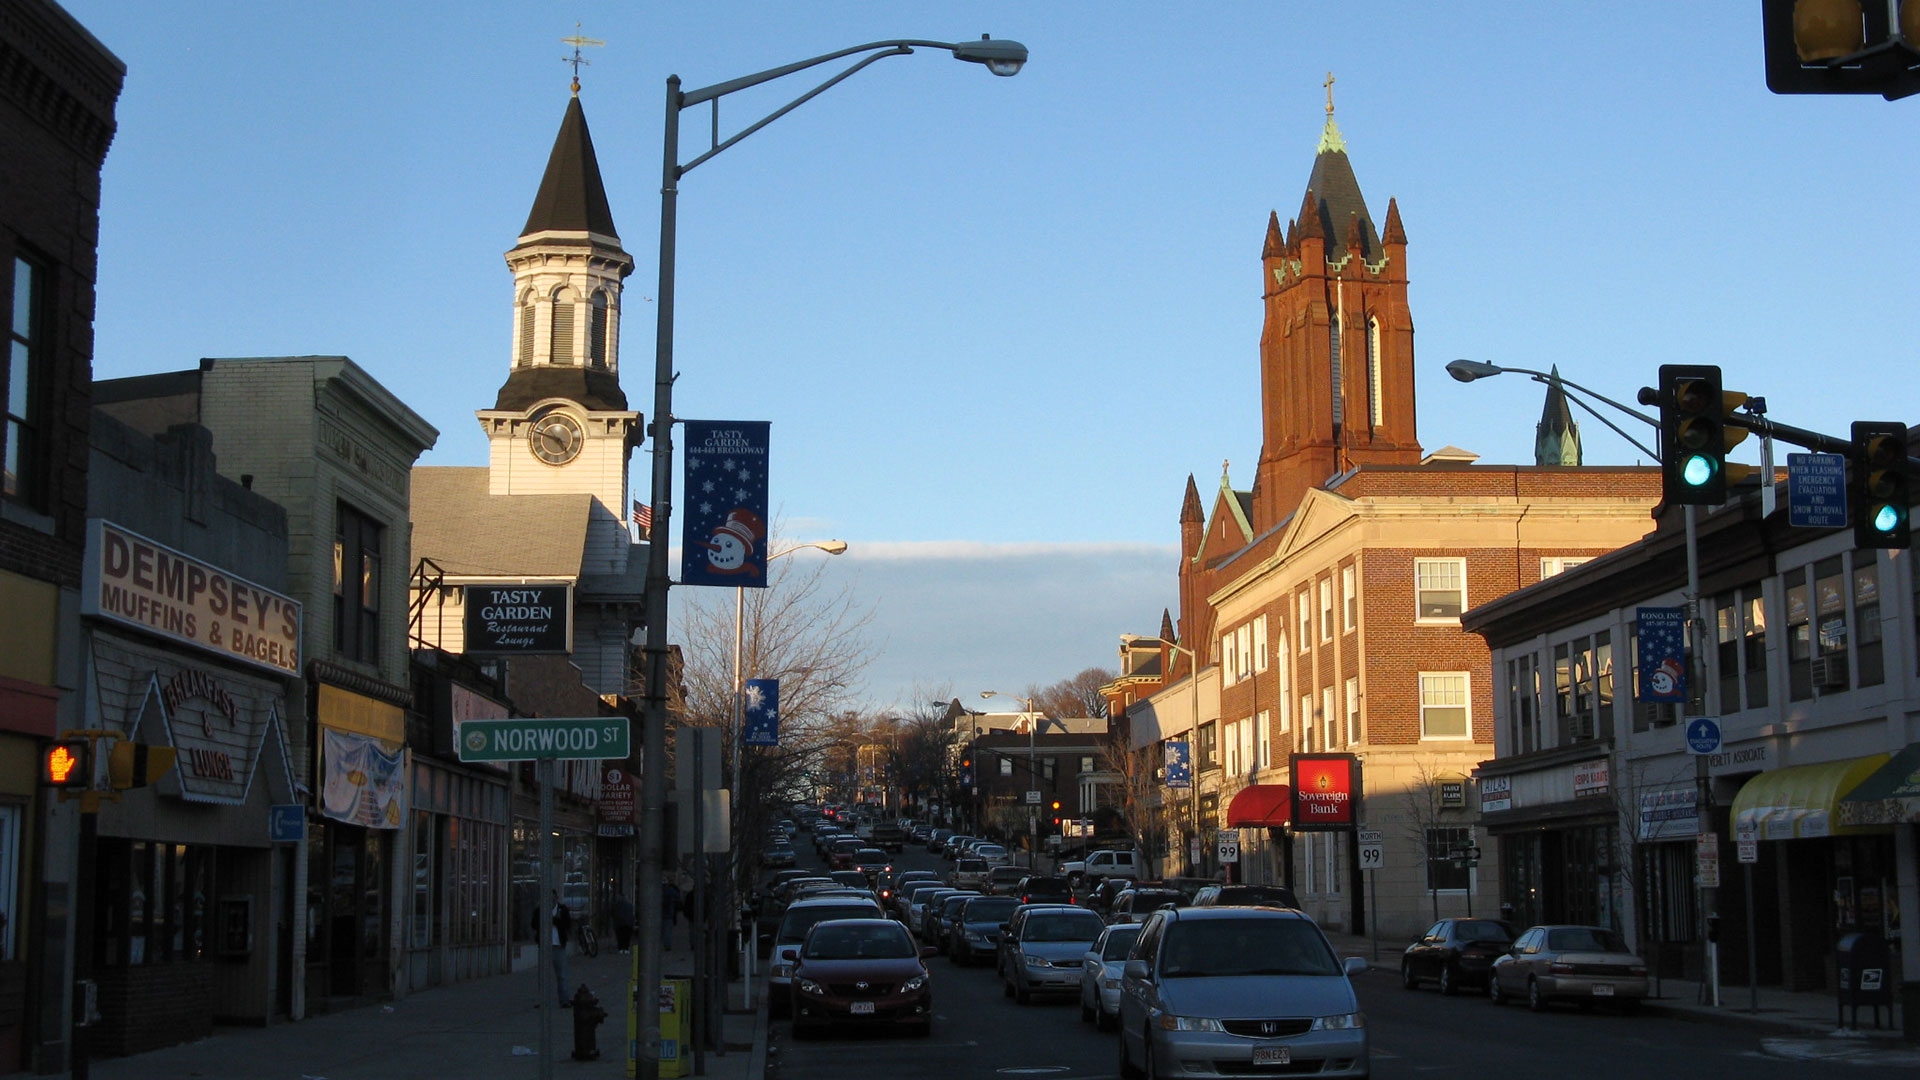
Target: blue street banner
{"x":1179,"y":766}
{"x":723,"y":537}
{"x":1663,"y":654}
{"x":760,"y":702}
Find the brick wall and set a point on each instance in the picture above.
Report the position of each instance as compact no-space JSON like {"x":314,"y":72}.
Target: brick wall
{"x":153,"y":1005}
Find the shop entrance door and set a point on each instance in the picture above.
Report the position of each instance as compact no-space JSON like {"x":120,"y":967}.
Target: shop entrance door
{"x":347,"y":942}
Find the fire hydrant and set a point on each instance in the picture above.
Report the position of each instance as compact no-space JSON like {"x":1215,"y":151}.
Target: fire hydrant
{"x":587,"y":1015}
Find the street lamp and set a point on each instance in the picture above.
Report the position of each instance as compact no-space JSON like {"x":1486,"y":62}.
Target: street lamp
{"x":1467,"y":371}
{"x":999,"y":57}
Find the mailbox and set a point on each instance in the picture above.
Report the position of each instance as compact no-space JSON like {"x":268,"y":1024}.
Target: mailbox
{"x":1864,"y":961}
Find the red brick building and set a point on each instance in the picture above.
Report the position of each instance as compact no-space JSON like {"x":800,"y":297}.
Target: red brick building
{"x":1321,"y":606}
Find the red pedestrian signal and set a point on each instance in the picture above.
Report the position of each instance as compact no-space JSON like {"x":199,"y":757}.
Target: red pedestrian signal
{"x":65,"y":766}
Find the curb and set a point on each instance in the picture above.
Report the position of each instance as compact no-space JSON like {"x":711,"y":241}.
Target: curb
{"x":757,"y":1061}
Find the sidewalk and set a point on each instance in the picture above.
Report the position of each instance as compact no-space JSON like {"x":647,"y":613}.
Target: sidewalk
{"x":481,"y":1027}
{"x":1801,"y":1025}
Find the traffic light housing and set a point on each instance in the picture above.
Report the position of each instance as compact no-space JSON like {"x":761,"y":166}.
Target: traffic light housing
{"x":1879,"y":492}
{"x":1056,"y":813}
{"x":1695,"y":435}
{"x":966,"y":772}
{"x":1841,"y":47}
{"x":67,"y":765}
{"x":132,"y":764}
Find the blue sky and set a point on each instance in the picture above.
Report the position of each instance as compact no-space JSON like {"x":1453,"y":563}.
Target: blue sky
{"x":996,"y":322}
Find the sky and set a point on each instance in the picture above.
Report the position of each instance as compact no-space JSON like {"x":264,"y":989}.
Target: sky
{"x":996,"y":322}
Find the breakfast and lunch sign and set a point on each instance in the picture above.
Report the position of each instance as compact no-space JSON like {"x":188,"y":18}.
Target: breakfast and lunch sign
{"x":145,"y":584}
{"x":1326,"y":792}
{"x":520,"y":620}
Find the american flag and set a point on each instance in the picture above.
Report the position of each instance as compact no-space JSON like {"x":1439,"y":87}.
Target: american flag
{"x":643,"y":517}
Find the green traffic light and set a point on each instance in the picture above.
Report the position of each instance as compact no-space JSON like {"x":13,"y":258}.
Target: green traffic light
{"x":1887,"y":518}
{"x":1698,"y":470}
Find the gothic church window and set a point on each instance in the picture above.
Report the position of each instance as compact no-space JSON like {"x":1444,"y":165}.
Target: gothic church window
{"x":1373,"y":373}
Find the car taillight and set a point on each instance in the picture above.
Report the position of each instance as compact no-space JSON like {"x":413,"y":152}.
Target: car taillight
{"x":1560,"y":967}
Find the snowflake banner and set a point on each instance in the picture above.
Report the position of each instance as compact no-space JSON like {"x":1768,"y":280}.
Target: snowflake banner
{"x":1663,"y":654}
{"x":760,"y":703}
{"x":723,"y":521}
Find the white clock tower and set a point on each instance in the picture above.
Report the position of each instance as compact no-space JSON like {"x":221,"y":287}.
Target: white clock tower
{"x":560,"y":424}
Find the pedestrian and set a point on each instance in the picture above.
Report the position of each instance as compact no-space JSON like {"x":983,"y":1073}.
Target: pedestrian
{"x":562,"y":920}
{"x":623,"y":922}
{"x":669,"y":911}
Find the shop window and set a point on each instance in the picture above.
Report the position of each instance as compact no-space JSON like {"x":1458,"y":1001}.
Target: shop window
{"x":1799,"y":636}
{"x":356,"y":584}
{"x":424,"y":826}
{"x":24,"y":371}
{"x":1866,"y":618}
{"x":1441,"y":589}
{"x":1444,"y":873}
{"x":153,"y":903}
{"x":1443,"y":705}
{"x":9,"y":882}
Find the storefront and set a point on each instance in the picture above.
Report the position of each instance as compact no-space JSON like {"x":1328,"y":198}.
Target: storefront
{"x":362,"y":803}
{"x":1556,"y":828}
{"x":457,"y":895}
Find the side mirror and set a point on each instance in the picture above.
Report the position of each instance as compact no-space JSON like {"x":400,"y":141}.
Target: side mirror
{"x":1136,"y":969}
{"x":1353,"y":965}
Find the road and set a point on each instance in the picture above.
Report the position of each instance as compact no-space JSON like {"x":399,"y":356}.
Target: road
{"x":979,"y":1033}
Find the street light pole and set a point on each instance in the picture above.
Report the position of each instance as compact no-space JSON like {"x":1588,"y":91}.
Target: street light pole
{"x":999,"y":57}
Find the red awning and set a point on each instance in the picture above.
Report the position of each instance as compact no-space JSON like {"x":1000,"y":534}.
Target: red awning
{"x":1260,"y":806}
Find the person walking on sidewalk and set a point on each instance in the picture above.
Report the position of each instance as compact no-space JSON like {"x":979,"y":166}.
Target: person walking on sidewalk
{"x":669,"y":911}
{"x":623,"y":922}
{"x":562,"y":920}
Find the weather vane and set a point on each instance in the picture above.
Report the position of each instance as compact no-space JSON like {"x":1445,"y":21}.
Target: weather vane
{"x":577,"y":59}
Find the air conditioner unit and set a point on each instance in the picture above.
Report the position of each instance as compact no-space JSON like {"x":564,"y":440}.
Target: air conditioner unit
{"x":1830,"y":672}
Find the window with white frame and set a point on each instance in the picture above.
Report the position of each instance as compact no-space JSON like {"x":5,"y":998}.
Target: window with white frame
{"x":1309,"y":854}
{"x":1006,"y":766}
{"x":1552,"y":565}
{"x":1243,"y":640}
{"x":1333,"y":864}
{"x":1443,"y":705}
{"x":1223,"y":651}
{"x":1306,"y":723}
{"x":1441,"y":589}
{"x":1234,"y":765}
{"x":1248,"y":762}
{"x":1263,"y":734}
{"x":1329,"y":717}
{"x":1350,"y":596}
{"x":1326,"y":609}
{"x":1303,"y":604}
{"x":1260,"y":643}
{"x":1353,"y":711}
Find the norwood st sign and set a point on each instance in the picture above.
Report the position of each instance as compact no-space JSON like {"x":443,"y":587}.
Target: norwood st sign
{"x":530,"y":738}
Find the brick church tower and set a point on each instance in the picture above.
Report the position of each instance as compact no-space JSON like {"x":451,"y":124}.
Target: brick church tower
{"x":1336,"y":352}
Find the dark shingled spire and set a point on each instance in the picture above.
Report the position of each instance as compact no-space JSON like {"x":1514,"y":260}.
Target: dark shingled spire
{"x":1354,"y":239}
{"x":571,"y":198}
{"x":1394,"y":233}
{"x":1273,"y":245}
{"x":1166,"y":626}
{"x":1340,"y":198}
{"x":1190,"y":506}
{"x":1556,"y":438}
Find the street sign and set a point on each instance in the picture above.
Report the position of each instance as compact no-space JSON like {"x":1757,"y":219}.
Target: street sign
{"x":1373,"y":849}
{"x":1033,"y":798}
{"x":531,"y":738}
{"x":1227,"y":845}
{"x":1817,"y":491}
{"x":1703,"y":735}
{"x":1746,"y":839}
{"x":1706,"y":860}
{"x":286,"y":823}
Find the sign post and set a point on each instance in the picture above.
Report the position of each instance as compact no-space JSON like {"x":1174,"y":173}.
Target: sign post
{"x":1746,"y":836}
{"x":1373,"y":855}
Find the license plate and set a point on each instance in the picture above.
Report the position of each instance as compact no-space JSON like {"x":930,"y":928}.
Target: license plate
{"x":1602,"y":989}
{"x":1272,"y":1055}
{"x":863,"y":1008}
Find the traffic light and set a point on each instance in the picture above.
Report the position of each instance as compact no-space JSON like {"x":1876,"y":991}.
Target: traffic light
{"x":132,"y":764}
{"x":1878,"y":495}
{"x":966,"y":772}
{"x":1695,"y":435}
{"x":65,"y":765}
{"x":1842,"y":47}
{"x":1056,"y":813}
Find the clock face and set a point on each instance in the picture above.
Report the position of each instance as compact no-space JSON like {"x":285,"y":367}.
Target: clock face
{"x":556,"y":439}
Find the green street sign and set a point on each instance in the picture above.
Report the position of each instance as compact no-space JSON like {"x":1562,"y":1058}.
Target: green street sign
{"x":530,"y":738}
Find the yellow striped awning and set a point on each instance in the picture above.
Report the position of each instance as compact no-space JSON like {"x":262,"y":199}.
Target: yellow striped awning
{"x":1802,"y":801}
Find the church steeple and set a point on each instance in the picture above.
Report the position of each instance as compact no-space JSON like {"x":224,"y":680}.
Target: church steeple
{"x":1556,"y":439}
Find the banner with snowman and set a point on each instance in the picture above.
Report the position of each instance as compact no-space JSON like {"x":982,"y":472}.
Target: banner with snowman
{"x":1662,"y":632}
{"x":723,"y":530}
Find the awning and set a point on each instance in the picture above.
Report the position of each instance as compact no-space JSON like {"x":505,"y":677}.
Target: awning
{"x":1890,"y":795}
{"x":1261,"y":806}
{"x":1802,"y":800}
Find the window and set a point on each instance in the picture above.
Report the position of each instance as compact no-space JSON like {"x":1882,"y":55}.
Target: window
{"x":1870,"y":665}
{"x":1086,"y":763}
{"x":524,"y":350}
{"x":1248,"y":762}
{"x":1334,"y":359}
{"x":562,"y":338}
{"x":1229,"y":672}
{"x":27,"y":358}
{"x":1353,"y":711}
{"x":1329,"y":717}
{"x":1047,"y":767}
{"x":1583,"y":688}
{"x":1441,"y":585}
{"x":1208,"y":751}
{"x":1235,"y":766}
{"x":597,"y":330}
{"x":1243,"y":643}
{"x":1799,"y":637}
{"x":1754,"y":628}
{"x":1263,"y":726}
{"x":1350,"y":594}
{"x":1006,"y":766}
{"x":1378,"y":407}
{"x":1556,"y":564}
{"x":1444,"y":872}
{"x":1326,"y":609}
{"x":1260,"y":643}
{"x":1304,"y":605}
{"x":1726,"y":640}
{"x":1443,"y":705}
{"x":1523,"y":704}
{"x":1830,"y":619}
{"x":165,"y":892}
{"x":9,"y":883}
{"x":1306,"y":723}
{"x":356,"y":584}
{"x":1333,"y":863}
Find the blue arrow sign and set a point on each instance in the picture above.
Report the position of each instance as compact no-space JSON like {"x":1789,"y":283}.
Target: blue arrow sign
{"x":1703,"y":735}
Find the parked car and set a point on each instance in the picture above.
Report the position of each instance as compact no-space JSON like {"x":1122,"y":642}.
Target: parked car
{"x":840,"y":855}
{"x":1234,"y":990}
{"x":1041,"y":948}
{"x":951,"y":849}
{"x":919,"y":834}
{"x":937,"y":840}
{"x":969,"y":874}
{"x":1100,"y":975}
{"x":1044,"y":889}
{"x":891,"y":887}
{"x":976,"y":929}
{"x":924,"y":903}
{"x":940,"y":917}
{"x":801,"y":916}
{"x":1101,"y":898}
{"x":780,"y":855}
{"x":1455,"y":953}
{"x":1569,"y":963}
{"x":1003,"y":880}
{"x":872,"y":862}
{"x":1135,"y":904}
{"x":860,"y":971}
{"x":1104,"y":864}
{"x":993,"y":855}
{"x":1244,"y":896}
{"x":903,"y":900}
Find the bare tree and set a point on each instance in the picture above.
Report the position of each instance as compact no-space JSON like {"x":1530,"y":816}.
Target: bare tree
{"x":1077,"y":695}
{"x":1423,"y":807}
{"x":1135,"y":789}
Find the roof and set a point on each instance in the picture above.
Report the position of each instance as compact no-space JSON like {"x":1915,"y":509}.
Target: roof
{"x":572,"y":197}
{"x":525,"y":536}
{"x":1338,"y":192}
{"x":595,"y":389}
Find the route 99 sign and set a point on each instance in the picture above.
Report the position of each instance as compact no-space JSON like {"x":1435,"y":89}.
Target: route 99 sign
{"x":1373,"y":849}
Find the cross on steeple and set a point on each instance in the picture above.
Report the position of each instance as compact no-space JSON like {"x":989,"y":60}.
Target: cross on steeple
{"x":1329,"y":85}
{"x":577,"y":59}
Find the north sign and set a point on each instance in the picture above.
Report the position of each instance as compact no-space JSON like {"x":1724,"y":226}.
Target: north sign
{"x":529,"y":738}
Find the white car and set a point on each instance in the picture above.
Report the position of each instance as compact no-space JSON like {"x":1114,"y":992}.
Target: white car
{"x":1100,"y":971}
{"x":993,"y":855}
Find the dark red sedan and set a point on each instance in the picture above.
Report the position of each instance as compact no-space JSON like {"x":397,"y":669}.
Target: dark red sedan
{"x":861,"y":971}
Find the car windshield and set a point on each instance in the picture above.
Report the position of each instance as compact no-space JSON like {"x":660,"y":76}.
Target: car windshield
{"x":952,"y":904}
{"x":1119,"y":942}
{"x":970,"y":866}
{"x":1250,"y":895}
{"x":1063,"y":928}
{"x":996,"y":910}
{"x":1585,"y":939}
{"x":798,"y":921}
{"x":1223,"y":947}
{"x":1476,"y":930}
{"x":991,"y":851}
{"x":858,"y":942}
{"x":850,"y":877}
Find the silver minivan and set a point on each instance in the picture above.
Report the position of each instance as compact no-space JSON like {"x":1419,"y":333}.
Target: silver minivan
{"x":1229,"y":991}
